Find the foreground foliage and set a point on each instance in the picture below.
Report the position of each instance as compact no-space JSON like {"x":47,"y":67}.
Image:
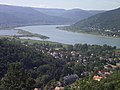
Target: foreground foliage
{"x":17,"y":79}
{"x":37,"y":61}
{"x":111,"y":83}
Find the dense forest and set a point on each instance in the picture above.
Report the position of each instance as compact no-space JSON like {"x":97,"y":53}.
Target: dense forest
{"x":40,"y":66}
{"x":26,"y":65}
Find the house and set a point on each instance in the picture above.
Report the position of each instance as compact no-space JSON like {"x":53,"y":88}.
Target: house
{"x":37,"y":88}
{"x":118,"y":64}
{"x":97,"y":78}
{"x":117,"y":53}
{"x":59,"y":88}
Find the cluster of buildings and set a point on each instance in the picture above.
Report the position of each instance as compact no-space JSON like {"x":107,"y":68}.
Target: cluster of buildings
{"x":110,"y":63}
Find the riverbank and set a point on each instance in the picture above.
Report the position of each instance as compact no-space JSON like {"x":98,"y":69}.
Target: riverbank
{"x":102,"y":34}
{"x":33,"y":42}
{"x":20,"y":33}
{"x":66,"y":37}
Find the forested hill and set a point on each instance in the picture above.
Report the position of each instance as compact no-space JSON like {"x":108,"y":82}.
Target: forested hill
{"x":32,"y":61}
{"x":15,"y":15}
{"x":78,"y":14}
{"x":19,"y":16}
{"x":48,"y":62}
{"x":74,"y":15}
{"x":109,"y":20}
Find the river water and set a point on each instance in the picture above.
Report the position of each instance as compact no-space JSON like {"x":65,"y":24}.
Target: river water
{"x":66,"y":37}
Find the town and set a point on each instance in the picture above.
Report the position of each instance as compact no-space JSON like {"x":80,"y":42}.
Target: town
{"x":82,"y":61}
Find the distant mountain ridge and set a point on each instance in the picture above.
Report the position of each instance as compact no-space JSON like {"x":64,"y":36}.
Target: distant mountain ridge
{"x":106,"y":23}
{"x":73,"y":14}
{"x":51,"y":11}
{"x":14,"y":15}
{"x":107,"y":20}
{"x":78,"y":14}
{"x":11,"y":16}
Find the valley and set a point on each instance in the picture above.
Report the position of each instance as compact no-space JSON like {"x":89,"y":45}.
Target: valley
{"x":59,"y":49}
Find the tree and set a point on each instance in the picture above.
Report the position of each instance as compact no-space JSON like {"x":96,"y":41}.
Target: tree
{"x":16,"y":79}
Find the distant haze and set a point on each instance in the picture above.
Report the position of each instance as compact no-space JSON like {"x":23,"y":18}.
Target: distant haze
{"x":66,"y":4}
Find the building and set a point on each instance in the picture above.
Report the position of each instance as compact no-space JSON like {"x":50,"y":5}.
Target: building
{"x":97,"y":78}
{"x":37,"y":88}
{"x":59,"y":88}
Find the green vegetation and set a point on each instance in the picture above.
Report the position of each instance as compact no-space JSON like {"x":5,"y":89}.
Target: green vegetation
{"x":33,"y":61}
{"x":12,"y":16}
{"x":16,"y":78}
{"x":29,"y":34}
{"x":106,"y":24}
{"x":49,"y":43}
{"x":48,"y":62}
{"x":28,"y":64}
{"x":111,"y":83}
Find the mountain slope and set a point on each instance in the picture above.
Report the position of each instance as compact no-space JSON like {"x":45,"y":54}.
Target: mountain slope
{"x":73,"y":14}
{"x":51,"y":11}
{"x":76,"y":14}
{"x":109,"y":20}
{"x":93,"y":12}
{"x":19,"y":16}
{"x":14,"y":15}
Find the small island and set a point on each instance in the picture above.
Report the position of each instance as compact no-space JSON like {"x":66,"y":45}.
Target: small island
{"x":12,"y":32}
{"x":29,"y":34}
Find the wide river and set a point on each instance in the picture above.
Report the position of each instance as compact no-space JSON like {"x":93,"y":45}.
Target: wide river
{"x":61,"y":36}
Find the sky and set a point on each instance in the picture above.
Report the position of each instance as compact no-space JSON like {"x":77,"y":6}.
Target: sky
{"x":66,"y":4}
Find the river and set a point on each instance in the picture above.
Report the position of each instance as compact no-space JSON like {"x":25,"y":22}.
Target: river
{"x":66,"y":37}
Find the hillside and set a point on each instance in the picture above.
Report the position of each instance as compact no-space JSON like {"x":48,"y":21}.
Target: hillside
{"x":74,"y":15}
{"x":48,"y":62}
{"x":110,"y":83}
{"x":11,"y":16}
{"x":14,"y":15}
{"x":106,"y":20}
{"x":93,"y":12}
{"x":51,"y":11}
{"x":106,"y":23}
{"x":78,"y":14}
{"x":40,"y":65}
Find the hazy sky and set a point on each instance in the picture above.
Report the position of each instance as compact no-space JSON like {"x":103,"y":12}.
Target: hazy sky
{"x":66,"y":4}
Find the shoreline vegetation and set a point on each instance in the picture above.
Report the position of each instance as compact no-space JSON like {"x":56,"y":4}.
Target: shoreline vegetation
{"x":44,"y":42}
{"x":65,"y":28}
{"x":30,"y":41}
{"x":24,"y":33}
{"x":29,"y":34}
{"x":87,"y":32}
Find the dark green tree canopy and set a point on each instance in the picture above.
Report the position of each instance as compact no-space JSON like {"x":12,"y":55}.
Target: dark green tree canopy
{"x":16,"y":79}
